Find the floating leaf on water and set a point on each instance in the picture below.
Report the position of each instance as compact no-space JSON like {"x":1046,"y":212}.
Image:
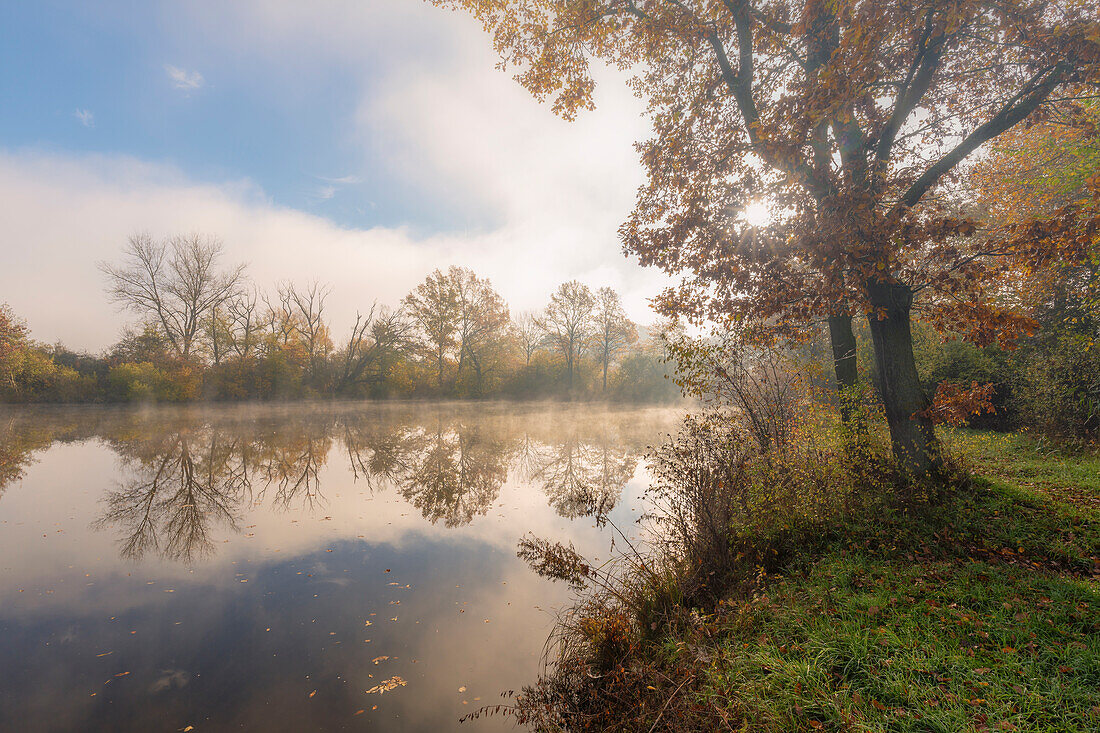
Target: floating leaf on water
{"x":391,"y":684}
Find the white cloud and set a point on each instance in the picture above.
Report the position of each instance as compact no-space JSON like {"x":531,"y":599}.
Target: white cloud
{"x":437,"y":115}
{"x":183,"y":79}
{"x":51,"y":279}
{"x":343,"y":180}
{"x":438,"y":112}
{"x":85,"y":117}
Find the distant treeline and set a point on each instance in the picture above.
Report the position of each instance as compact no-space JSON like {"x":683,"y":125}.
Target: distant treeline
{"x":207,"y":334}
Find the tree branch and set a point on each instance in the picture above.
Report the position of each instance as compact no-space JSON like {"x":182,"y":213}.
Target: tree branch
{"x":1026,"y":101}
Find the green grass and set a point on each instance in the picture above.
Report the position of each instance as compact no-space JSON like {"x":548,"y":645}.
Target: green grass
{"x":1021,"y":460}
{"x":980,"y":614}
{"x":859,"y":644}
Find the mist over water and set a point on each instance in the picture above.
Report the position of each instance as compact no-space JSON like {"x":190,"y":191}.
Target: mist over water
{"x":327,"y":567}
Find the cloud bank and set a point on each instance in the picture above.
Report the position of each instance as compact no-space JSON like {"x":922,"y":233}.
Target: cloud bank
{"x":448,"y":124}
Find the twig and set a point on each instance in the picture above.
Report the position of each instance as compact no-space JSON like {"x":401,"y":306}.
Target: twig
{"x":669,"y":702}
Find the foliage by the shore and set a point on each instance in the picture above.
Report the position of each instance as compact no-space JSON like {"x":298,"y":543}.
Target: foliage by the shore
{"x":975,"y":609}
{"x":455,"y":339}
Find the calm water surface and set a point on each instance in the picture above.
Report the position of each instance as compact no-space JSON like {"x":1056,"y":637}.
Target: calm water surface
{"x":293,"y":568}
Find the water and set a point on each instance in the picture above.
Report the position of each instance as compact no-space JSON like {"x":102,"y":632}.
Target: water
{"x":293,"y":568}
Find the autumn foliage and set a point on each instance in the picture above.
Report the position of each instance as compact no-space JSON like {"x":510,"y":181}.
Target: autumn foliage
{"x":853,"y":122}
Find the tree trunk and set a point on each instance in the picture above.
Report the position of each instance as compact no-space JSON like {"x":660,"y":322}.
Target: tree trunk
{"x":843,"y":341}
{"x":911,"y":433}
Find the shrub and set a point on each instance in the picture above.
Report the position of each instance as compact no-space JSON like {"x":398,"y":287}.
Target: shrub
{"x":144,"y":382}
{"x":1058,"y":389}
{"x":962,"y":363}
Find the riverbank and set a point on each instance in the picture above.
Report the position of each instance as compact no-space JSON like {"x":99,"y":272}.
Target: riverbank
{"x":976,"y":611}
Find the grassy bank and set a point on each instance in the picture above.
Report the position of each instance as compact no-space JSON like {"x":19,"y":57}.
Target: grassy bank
{"x":977,"y":611}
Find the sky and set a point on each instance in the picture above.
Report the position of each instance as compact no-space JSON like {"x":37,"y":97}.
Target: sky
{"x":359,"y":143}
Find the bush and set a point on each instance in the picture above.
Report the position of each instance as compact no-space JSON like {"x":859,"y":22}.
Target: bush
{"x":642,"y":377}
{"x":962,"y":363}
{"x":1058,"y":390}
{"x":144,"y":382}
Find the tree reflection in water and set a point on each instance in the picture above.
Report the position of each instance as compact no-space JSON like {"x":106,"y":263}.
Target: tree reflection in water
{"x":584,"y":477}
{"x":176,"y":496}
{"x":188,"y":475}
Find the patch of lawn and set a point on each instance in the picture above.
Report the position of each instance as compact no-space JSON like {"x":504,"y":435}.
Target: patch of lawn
{"x":982,"y":613}
{"x":861,"y":644}
{"x":1023,"y":460}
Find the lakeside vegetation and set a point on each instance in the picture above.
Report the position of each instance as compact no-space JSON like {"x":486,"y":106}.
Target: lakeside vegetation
{"x":207,"y":334}
{"x":973,"y":609}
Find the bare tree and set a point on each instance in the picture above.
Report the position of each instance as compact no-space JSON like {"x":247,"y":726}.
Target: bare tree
{"x":567,"y":322}
{"x":279,"y":318}
{"x":377,"y":340}
{"x":613,"y":330}
{"x":174,"y":282}
{"x":243,"y":322}
{"x":309,"y":308}
{"x":531,"y":336}
{"x":218,"y":335}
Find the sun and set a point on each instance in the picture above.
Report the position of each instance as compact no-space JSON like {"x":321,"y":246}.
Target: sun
{"x":756,"y":213}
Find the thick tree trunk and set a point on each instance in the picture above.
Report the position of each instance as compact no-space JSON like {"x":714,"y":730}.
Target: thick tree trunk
{"x":911,"y":433}
{"x":843,"y":341}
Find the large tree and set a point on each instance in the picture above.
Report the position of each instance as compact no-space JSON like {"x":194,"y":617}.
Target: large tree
{"x":434,"y":306}
{"x":175,"y":283}
{"x":483,"y":324}
{"x":567,"y":322}
{"x":613,"y":330}
{"x":848,"y":119}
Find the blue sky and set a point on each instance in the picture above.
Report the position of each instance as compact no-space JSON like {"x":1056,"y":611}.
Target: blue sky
{"x":98,"y":77}
{"x":358,"y":142}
